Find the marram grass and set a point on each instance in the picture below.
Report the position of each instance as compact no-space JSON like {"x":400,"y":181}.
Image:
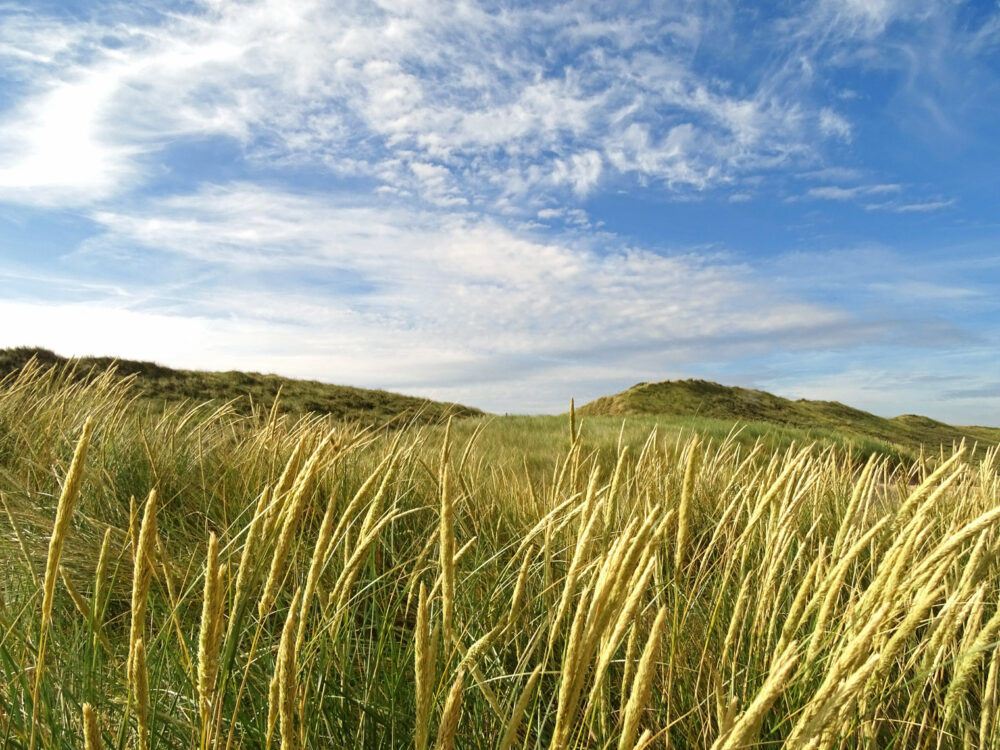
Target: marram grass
{"x":311,"y":584}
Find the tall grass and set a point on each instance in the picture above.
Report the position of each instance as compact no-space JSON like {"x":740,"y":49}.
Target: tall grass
{"x":286,"y":583}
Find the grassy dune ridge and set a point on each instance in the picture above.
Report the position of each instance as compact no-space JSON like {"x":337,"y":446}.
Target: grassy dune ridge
{"x":701,"y":398}
{"x":674,"y":406}
{"x":219,"y":579}
{"x":162,"y":386}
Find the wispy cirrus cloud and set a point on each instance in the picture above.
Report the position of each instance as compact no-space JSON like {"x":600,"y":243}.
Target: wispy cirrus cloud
{"x":989,"y":391}
{"x":836,"y":193}
{"x":420,"y":98}
{"x":873,"y":197}
{"x":919,"y":207}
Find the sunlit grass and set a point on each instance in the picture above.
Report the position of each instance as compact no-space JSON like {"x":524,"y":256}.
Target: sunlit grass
{"x":495,"y":584}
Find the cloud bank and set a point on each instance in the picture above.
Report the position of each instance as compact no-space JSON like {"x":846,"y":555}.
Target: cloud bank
{"x":413,"y":195}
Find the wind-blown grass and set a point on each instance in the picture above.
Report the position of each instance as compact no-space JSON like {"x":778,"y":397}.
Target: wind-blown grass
{"x":374,"y":588}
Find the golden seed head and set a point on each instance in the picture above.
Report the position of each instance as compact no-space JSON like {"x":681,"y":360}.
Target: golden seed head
{"x":142,"y":574}
{"x":91,"y":731}
{"x":210,"y":631}
{"x":287,"y":669}
{"x":447,"y":553}
{"x":423,"y":670}
{"x":643,"y":683}
{"x":64,"y":512}
{"x":140,"y":678}
{"x":450,"y":715}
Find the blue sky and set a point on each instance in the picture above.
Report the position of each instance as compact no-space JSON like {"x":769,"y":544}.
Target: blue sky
{"x":506,"y":204}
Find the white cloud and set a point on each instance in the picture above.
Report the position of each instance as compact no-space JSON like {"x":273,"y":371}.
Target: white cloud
{"x":836,"y":193}
{"x":869,"y":16}
{"x":413,"y":300}
{"x":356,"y":86}
{"x":834,"y":174}
{"x":922,"y":207}
{"x":55,"y":151}
{"x":833,"y":124}
{"x":898,"y":382}
{"x":581,"y":171}
{"x":873,"y":197}
{"x":913,"y":290}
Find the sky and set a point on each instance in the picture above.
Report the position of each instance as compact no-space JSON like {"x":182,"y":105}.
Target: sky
{"x":507,"y":204}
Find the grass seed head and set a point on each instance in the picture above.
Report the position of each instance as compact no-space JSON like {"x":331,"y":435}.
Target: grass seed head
{"x":209,"y":632}
{"x":91,"y":731}
{"x":450,"y":715}
{"x":142,"y":575}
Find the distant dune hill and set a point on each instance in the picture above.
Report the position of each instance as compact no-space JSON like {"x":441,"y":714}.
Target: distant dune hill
{"x":163,"y":384}
{"x":702,"y":398}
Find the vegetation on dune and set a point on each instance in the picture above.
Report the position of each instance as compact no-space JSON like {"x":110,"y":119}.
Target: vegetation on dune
{"x":700,"y":398}
{"x":197,"y":577}
{"x":674,"y":407}
{"x":162,"y":385}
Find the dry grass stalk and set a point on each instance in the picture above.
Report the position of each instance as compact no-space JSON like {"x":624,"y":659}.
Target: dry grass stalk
{"x":848,"y":521}
{"x":209,"y":636}
{"x":296,"y":505}
{"x":517,"y":713}
{"x":643,"y":683}
{"x":572,"y":575}
{"x":142,"y":575}
{"x":956,"y":540}
{"x":988,"y":709}
{"x":248,"y":555}
{"x":447,"y":554}
{"x":626,"y":618}
{"x":968,"y":663}
{"x":609,"y":500}
{"x":914,"y":498}
{"x":852,"y":665}
{"x":287,"y":669}
{"x":519,"y":587}
{"x":833,"y":584}
{"x":378,"y":500}
{"x":645,"y":740}
{"x":132,"y":537}
{"x":81,"y":604}
{"x":91,"y":731}
{"x":273,"y":699}
{"x":450,"y":715}
{"x":571,"y":674}
{"x":744,"y":731}
{"x":289,"y":472}
{"x":797,"y":609}
{"x":100,"y":579}
{"x":60,"y":529}
{"x":916,"y":614}
{"x":423,"y":670}
{"x":319,"y":558}
{"x":140,"y":680}
{"x":347,"y":516}
{"x":341,"y":593}
{"x":15,"y":527}
{"x":684,"y":509}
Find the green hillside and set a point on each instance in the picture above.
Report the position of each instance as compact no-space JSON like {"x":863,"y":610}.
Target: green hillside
{"x":159,"y":385}
{"x":700,"y":398}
